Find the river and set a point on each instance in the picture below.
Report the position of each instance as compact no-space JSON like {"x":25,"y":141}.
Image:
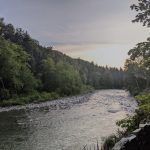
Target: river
{"x":65,"y":124}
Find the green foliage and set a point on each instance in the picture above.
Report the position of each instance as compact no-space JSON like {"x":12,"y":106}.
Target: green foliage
{"x":138,"y":67}
{"x":109,"y":142}
{"x":143,"y":99}
{"x":144,"y":103}
{"x":86,"y":88}
{"x":15,"y":75}
{"x":4,"y":93}
{"x":26,"y":66}
{"x":35,"y":97}
{"x":143,"y":9}
{"x":128,"y":124}
{"x":60,"y":77}
{"x":68,"y":79}
{"x":142,"y":113}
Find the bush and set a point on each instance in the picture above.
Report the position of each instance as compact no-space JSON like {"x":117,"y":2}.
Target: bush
{"x":109,"y":142}
{"x":141,"y":114}
{"x":86,"y":88}
{"x":4,"y":93}
{"x":34,"y":97}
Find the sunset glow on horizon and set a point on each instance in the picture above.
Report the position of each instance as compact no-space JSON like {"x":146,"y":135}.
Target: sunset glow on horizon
{"x":99,"y":54}
{"x":89,"y":30}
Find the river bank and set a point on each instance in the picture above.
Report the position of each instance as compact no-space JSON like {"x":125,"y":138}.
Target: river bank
{"x":36,"y":97}
{"x":134,"y":132}
{"x":55,"y":103}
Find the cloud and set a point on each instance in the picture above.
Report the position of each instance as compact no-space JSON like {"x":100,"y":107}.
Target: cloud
{"x":102,"y":54}
{"x":74,"y":26}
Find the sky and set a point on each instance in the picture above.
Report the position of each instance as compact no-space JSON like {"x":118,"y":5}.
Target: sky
{"x":93,"y":30}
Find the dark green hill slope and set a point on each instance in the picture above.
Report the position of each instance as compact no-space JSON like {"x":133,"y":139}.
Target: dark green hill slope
{"x":35,"y":68}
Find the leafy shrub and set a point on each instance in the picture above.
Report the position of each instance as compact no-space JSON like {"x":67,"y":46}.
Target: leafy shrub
{"x":34,"y":97}
{"x":4,"y":93}
{"x":109,"y":142}
{"x":132,"y":122}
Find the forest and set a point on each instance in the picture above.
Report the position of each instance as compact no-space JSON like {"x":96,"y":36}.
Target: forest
{"x":33,"y":73}
{"x":30,"y":72}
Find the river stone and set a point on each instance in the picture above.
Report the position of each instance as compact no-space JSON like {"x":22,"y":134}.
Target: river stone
{"x":113,"y":110}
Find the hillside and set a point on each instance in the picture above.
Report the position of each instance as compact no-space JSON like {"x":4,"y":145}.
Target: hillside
{"x":27,"y":68}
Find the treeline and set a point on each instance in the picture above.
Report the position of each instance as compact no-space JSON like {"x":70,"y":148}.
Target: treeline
{"x":138,"y":68}
{"x":138,"y":71}
{"x":26,"y":67}
{"x":138,"y":65}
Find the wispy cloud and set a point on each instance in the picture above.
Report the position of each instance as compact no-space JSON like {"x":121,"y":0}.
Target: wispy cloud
{"x":77,"y":25}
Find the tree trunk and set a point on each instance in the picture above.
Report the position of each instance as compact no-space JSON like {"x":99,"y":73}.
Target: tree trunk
{"x":137,"y":83}
{"x":3,"y":86}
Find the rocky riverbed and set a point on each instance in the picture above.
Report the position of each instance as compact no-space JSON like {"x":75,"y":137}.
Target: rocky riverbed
{"x":64,"y":124}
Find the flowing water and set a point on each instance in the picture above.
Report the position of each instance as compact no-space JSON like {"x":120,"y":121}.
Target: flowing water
{"x":65,"y":124}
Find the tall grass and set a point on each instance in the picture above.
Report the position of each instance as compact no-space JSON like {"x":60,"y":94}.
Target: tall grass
{"x":94,"y":147}
{"x":108,"y":142}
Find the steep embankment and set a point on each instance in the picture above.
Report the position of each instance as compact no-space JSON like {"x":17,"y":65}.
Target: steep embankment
{"x":136,"y":133}
{"x":139,"y":139}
